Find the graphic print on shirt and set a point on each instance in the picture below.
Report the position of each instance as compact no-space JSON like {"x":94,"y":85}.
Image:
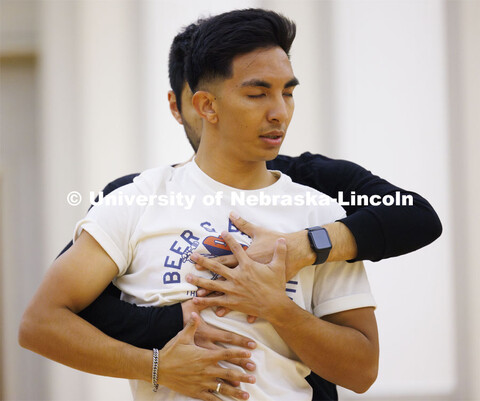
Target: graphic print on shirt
{"x":218,"y":247}
{"x":183,"y":246}
{"x":213,"y":246}
{"x":291,"y":288}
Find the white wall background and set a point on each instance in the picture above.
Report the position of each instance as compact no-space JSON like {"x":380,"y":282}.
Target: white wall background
{"x":392,"y":85}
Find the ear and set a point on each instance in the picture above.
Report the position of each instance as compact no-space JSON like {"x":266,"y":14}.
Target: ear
{"x":204,"y":103}
{"x":172,"y":100}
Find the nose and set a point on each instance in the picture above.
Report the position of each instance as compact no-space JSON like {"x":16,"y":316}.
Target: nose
{"x":279,"y":110}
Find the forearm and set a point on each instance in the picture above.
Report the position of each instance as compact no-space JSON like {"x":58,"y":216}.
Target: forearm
{"x":344,"y":246}
{"x":339,"y":354}
{"x":64,"y":337}
{"x":59,"y":334}
{"x":386,"y":231}
{"x":380,"y":231}
{"x":342,"y":347}
{"x":301,"y":254}
{"x":143,"y":327}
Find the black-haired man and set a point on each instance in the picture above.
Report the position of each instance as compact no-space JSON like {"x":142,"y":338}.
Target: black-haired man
{"x":377,"y":232}
{"x":269,"y":138}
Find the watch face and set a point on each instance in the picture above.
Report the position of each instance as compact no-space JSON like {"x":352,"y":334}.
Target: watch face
{"x":320,"y":239}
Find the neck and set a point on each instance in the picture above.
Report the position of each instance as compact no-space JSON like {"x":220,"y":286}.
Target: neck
{"x":229,"y":169}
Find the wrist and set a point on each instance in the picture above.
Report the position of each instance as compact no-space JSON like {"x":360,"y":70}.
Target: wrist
{"x":280,"y":311}
{"x":299,"y":251}
{"x":164,"y":371}
{"x":140,"y":361}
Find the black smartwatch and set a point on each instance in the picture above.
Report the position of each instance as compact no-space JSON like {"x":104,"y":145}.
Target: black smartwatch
{"x":320,"y":243}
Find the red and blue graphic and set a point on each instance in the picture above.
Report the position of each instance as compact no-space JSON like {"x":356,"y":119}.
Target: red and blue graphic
{"x":217,"y":246}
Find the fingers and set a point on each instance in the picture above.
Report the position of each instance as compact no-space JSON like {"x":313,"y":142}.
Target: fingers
{"x":235,"y":247}
{"x":211,"y":285}
{"x":208,"y":395}
{"x":187,"y":335}
{"x":244,"y":363}
{"x":227,"y":354}
{"x":227,"y":389}
{"x":202,"y":292}
{"x":227,"y":337}
{"x":205,"y":302}
{"x":280,"y":254}
{"x":211,"y":264}
{"x":227,"y":260}
{"x":251,"y":319}
{"x":243,"y":225}
{"x":232,"y":375}
{"x":221,"y":311}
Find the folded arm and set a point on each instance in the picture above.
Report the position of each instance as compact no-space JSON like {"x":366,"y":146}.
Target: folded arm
{"x":380,"y":232}
{"x":346,"y":341}
{"x":52,"y":328}
{"x":341,"y":347}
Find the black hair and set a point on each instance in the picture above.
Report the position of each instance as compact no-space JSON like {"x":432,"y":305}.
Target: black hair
{"x":218,"y":39}
{"x":176,"y":60}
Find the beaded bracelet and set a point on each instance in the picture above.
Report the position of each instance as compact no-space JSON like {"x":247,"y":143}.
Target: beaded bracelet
{"x":155,"y":370}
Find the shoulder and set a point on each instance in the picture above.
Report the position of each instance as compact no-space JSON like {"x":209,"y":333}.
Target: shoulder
{"x":309,"y":159}
{"x":153,"y":180}
{"x":128,"y":193}
{"x":318,"y":206}
{"x":119,"y":182}
{"x":150,"y":178}
{"x":319,"y":170}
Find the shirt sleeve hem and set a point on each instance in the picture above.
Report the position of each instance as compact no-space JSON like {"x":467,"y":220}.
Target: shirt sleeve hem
{"x":342,"y":304}
{"x":104,"y":241}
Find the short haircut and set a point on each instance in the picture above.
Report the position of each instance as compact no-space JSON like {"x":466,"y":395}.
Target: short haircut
{"x":176,"y":61}
{"x":218,"y":39}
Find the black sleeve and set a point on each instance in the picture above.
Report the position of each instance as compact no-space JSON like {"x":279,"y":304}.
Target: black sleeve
{"x":144,"y":327}
{"x":380,"y":231}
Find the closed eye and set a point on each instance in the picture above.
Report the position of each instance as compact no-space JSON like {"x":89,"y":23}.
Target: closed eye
{"x":256,"y":96}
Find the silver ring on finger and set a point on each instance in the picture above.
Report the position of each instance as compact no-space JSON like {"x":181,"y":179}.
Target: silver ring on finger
{"x":219,"y":386}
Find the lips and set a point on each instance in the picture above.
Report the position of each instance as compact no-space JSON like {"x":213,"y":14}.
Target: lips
{"x":273,"y":134}
{"x":273,"y":138}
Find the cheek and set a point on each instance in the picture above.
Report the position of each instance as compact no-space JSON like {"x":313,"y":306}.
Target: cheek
{"x":236,"y":118}
{"x":291,"y":109}
{"x":234,"y":126}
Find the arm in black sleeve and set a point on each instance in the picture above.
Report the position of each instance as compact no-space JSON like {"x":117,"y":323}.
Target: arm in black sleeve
{"x":380,"y":231}
{"x":144,"y":327}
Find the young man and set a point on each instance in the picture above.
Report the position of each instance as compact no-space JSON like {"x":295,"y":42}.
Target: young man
{"x":245,"y":103}
{"x":378,"y":231}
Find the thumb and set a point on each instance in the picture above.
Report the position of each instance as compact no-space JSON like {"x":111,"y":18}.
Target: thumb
{"x":279,"y":255}
{"x":188,"y":333}
{"x":243,"y":225}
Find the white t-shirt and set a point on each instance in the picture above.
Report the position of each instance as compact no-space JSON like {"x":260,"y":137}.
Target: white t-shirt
{"x":151,"y":227}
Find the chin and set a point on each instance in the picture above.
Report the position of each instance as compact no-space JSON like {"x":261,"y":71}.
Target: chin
{"x":273,"y":154}
{"x":268,"y":157}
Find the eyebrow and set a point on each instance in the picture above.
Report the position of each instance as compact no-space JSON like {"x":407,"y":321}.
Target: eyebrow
{"x":265,"y":84}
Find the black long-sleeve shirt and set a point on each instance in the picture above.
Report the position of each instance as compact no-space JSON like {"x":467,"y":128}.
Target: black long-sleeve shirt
{"x":380,"y":232}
